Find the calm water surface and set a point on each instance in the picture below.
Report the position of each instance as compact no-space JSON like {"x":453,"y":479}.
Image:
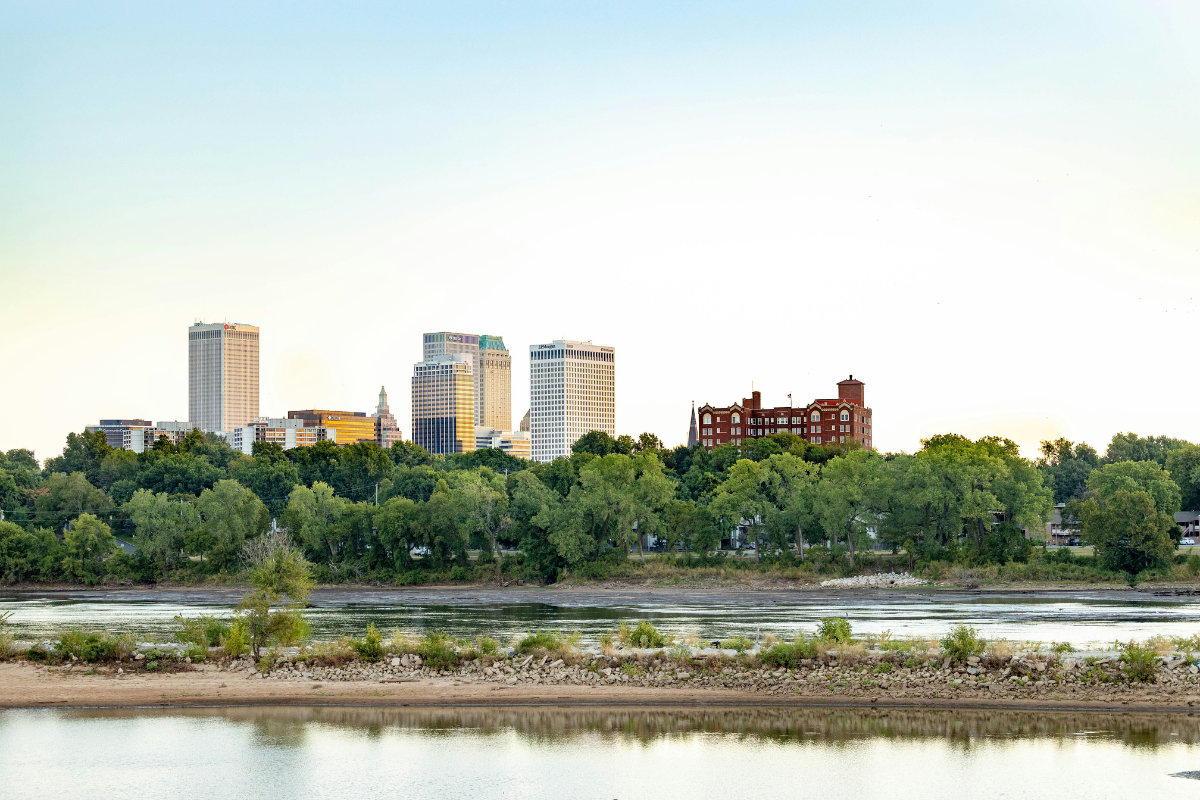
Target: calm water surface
{"x":594,"y":753}
{"x":1082,"y":618}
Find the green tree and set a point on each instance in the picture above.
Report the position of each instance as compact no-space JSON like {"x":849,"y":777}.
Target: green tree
{"x":1131,"y":447}
{"x":163,"y":529}
{"x":1137,"y":476}
{"x":84,"y":453}
{"x":744,"y":496}
{"x":791,"y":491}
{"x":597,"y":443}
{"x":87,"y":542}
{"x":439,"y":531}
{"x":535,"y":509}
{"x":270,"y":474}
{"x":396,"y":523}
{"x":231,"y":514}
{"x":1184,"y":466}
{"x":312,"y":516}
{"x":1127,"y":529}
{"x":1066,"y":467}
{"x":282,"y":582}
{"x":844,"y":495}
{"x":482,"y":502}
{"x":61,"y":498}
{"x":652,"y":492}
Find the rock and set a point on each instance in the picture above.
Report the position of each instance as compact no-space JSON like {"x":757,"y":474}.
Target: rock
{"x":973,"y":670}
{"x":973,"y":661}
{"x":139,"y":657}
{"x":884,"y":579}
{"x":120,"y":670}
{"x":395,"y":662}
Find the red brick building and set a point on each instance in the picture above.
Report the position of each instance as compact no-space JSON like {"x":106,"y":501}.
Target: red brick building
{"x":820,"y":422}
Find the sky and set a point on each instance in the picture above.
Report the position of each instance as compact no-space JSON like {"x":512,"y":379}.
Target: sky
{"x":988,"y":212}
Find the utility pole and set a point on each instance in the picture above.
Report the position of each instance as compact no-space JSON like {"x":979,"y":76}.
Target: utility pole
{"x":377,"y":494}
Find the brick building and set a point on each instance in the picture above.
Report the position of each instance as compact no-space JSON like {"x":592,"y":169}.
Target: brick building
{"x":830,"y":421}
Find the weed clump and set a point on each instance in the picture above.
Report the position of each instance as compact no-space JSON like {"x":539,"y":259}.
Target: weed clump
{"x":738,"y":643}
{"x":1140,"y":661}
{"x":6,"y":638}
{"x":236,"y":640}
{"x":962,"y":642}
{"x":834,"y":630}
{"x":205,"y":630}
{"x":437,"y":650}
{"x":87,"y":646}
{"x":644,"y":634}
{"x":370,"y":647}
{"x":538,"y":642}
{"x":788,"y":655}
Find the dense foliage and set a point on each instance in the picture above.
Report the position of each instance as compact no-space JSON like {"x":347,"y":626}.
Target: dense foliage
{"x":359,"y":513}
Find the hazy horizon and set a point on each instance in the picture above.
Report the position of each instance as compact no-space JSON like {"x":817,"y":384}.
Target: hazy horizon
{"x":988,"y":213}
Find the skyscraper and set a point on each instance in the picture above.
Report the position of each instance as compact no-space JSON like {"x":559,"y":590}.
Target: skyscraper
{"x":491,"y":365}
{"x":443,"y":404}
{"x":387,"y":430}
{"x":222,"y":375}
{"x":572,"y":391}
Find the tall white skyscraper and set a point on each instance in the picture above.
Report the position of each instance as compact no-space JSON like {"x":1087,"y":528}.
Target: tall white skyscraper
{"x":491,"y":364}
{"x":572,"y":391}
{"x":222,"y":375}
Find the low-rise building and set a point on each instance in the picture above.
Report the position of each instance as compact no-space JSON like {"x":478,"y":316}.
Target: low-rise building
{"x":287,"y":433}
{"x":515,"y":443}
{"x":351,"y":426}
{"x":139,"y":435}
{"x":1188,"y":522}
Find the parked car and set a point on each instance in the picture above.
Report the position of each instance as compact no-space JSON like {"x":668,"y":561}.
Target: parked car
{"x":1187,"y":541}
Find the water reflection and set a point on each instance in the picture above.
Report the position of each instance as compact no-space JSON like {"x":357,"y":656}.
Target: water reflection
{"x":286,"y":725}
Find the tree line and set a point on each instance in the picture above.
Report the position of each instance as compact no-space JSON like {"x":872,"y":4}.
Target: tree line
{"x":362,"y":513}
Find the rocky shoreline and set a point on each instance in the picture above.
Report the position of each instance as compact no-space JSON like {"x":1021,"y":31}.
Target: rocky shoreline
{"x":873,"y":674}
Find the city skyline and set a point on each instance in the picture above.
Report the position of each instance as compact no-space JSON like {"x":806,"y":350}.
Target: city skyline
{"x":928,"y":189}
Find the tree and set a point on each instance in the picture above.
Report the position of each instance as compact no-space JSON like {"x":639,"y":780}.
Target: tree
{"x":648,"y":442}
{"x":1184,"y":466}
{"x":84,"y":453}
{"x":163,"y":529}
{"x":743,"y":496}
{"x":270,"y":474}
{"x":396,"y":523}
{"x":652,"y":491}
{"x":408,"y":454}
{"x":1131,"y":447}
{"x":177,"y":473}
{"x":312,"y":516}
{"x":598,"y":443}
{"x":1066,"y":467}
{"x":1137,"y":476}
{"x":438,"y":528}
{"x":1127,"y":529}
{"x":28,"y":555}
{"x":282,"y":582}
{"x":844,"y":494}
{"x":791,"y":490}
{"x":482,"y":502}
{"x":535,"y":509}
{"x":231,"y":515}
{"x":61,"y":498}
{"x":88,"y":542}
{"x":600,"y":508}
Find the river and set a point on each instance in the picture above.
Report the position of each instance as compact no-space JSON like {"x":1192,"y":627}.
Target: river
{"x":1082,"y":618}
{"x":606,"y":754}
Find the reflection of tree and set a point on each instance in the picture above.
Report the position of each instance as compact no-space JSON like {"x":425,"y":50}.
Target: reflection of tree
{"x":288,"y":727}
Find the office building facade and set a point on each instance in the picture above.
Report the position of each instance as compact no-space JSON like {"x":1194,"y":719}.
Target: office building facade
{"x":351,"y":426}
{"x":222,"y":375}
{"x":491,"y":366}
{"x":826,"y":421}
{"x":515,"y":443}
{"x":287,"y":433}
{"x":443,"y":404}
{"x":139,"y":435}
{"x":572,"y":391}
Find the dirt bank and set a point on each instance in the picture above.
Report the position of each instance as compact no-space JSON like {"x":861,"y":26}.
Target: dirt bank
{"x":31,"y":685}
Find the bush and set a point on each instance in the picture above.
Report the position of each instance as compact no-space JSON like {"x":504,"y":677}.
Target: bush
{"x":534,"y":642}
{"x":739,"y":643}
{"x":644,"y":634}
{"x":437,"y":650}
{"x":788,"y":655}
{"x":962,"y":642}
{"x":204,"y":630}
{"x":330,"y":654}
{"x":88,"y":647}
{"x":1140,"y":661}
{"x":833,"y":629}
{"x":6,"y":638}
{"x":487,"y":645}
{"x":236,"y":641}
{"x":370,"y":647}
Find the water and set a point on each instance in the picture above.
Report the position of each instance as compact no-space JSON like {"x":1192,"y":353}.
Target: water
{"x":594,"y":753}
{"x":1082,"y":618}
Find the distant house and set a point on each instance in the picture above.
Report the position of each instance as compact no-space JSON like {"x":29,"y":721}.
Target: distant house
{"x":1058,"y":533}
{"x":1188,"y":522}
{"x":127,"y":547}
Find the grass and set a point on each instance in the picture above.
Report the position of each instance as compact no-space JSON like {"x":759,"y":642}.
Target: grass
{"x":6,"y":638}
{"x":738,"y":643}
{"x":644,"y":635}
{"x":205,"y":630}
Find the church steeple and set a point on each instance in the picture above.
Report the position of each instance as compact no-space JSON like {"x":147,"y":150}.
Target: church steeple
{"x":382,"y":408}
{"x":692,"y":433}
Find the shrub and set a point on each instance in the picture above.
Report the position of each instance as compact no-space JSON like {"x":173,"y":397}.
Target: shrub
{"x":204,"y":630}
{"x":534,"y":642}
{"x":370,"y":647}
{"x":236,"y":641}
{"x":487,"y":645}
{"x":962,"y":642}
{"x":1062,"y":648}
{"x":1140,"y":661}
{"x":88,"y":647}
{"x":6,"y":638}
{"x":788,"y":655}
{"x":437,"y":650}
{"x":330,"y":654}
{"x":833,"y":629}
{"x":644,"y":634}
{"x":739,"y":643}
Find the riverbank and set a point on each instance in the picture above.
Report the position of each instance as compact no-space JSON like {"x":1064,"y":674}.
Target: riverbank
{"x":628,"y":679}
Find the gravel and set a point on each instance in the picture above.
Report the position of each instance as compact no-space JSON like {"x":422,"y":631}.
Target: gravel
{"x":883,"y":579}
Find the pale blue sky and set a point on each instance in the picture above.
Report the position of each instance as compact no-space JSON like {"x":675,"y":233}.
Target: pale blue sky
{"x":989,"y":212}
